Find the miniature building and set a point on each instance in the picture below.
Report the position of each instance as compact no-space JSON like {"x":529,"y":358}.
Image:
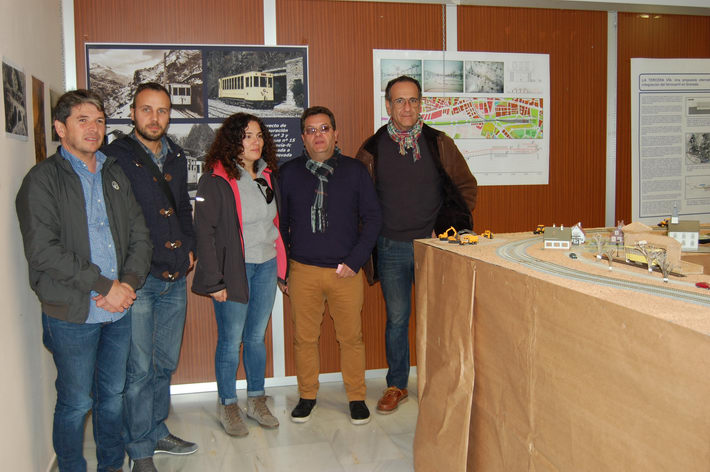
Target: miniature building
{"x":578,"y":234}
{"x":685,"y":232}
{"x":557,"y":238}
{"x":617,"y":236}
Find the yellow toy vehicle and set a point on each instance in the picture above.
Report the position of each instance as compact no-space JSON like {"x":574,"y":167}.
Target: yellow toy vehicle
{"x":449,"y":235}
{"x":664,"y":222}
{"x":487,"y":234}
{"x":539,"y":230}
{"x":467,"y":237}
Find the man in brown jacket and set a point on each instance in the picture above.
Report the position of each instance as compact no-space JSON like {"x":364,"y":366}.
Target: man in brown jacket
{"x":424,"y":185}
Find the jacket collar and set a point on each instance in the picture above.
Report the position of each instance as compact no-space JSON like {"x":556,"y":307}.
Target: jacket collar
{"x":429,"y":133}
{"x":219,"y":171}
{"x":66,"y":165}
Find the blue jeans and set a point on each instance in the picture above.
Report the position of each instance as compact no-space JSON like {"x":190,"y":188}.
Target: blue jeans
{"x":239,"y":323}
{"x":395,"y":265}
{"x":158,"y":322}
{"x":91,"y":375}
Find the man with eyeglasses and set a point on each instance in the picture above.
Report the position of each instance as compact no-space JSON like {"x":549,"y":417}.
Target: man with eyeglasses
{"x":157,"y":169}
{"x":424,"y":185}
{"x":330,"y":219}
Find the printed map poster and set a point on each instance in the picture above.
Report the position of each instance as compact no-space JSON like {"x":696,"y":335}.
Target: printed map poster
{"x":494,"y":105}
{"x":670,"y":139}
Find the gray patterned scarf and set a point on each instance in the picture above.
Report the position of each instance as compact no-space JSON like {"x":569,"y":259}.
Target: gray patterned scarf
{"x":322,"y":170}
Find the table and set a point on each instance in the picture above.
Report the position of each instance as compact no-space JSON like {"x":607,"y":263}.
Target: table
{"x":521,"y":371}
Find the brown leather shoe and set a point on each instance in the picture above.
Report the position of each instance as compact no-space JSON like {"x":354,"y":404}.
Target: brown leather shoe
{"x":391,"y":399}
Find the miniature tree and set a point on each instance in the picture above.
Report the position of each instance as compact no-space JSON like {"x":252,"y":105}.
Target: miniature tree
{"x":654,"y":253}
{"x":599,"y":245}
{"x":609,"y":253}
{"x":646,"y":252}
{"x":663,"y":263}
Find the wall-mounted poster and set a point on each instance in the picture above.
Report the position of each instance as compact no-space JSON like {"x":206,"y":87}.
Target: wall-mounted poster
{"x":53,"y":99}
{"x":670,"y":139}
{"x":206,"y":85}
{"x":494,"y":105}
{"x":13,"y":86}
{"x":38,"y":119}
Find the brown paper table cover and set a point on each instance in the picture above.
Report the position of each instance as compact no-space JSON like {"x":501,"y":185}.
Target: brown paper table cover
{"x":568,"y":376}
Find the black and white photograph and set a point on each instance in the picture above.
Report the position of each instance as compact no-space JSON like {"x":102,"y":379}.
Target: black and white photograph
{"x":443,"y":76}
{"x":393,"y":68}
{"x":115,"y":72}
{"x":267,"y":82}
{"x":14,"y":88}
{"x":53,"y":99}
{"x":697,"y":148}
{"x":483,"y":77}
{"x":38,"y":119}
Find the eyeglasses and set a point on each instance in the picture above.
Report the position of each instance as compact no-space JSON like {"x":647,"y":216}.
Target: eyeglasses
{"x":322,"y":129}
{"x":268,"y":193}
{"x":400,"y":102}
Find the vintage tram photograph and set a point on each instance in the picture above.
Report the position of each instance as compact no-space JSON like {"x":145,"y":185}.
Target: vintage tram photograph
{"x":115,"y":71}
{"x":268,"y":82}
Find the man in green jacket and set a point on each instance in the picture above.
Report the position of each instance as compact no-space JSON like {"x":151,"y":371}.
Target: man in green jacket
{"x":88,"y":251}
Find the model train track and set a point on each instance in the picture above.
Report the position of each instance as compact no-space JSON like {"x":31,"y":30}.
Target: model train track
{"x":516,"y":251}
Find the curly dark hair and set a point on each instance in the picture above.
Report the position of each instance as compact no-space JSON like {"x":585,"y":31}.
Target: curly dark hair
{"x":227,"y":145}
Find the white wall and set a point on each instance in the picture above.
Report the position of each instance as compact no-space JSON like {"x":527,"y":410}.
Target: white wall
{"x":30,"y":38}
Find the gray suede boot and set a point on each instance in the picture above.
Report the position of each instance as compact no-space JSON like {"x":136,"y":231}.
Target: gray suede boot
{"x":232,"y":419}
{"x":257,"y":410}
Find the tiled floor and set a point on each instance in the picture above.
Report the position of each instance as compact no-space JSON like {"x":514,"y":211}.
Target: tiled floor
{"x":328,"y":442}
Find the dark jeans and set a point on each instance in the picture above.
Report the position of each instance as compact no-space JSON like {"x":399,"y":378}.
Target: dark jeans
{"x":395,"y":265}
{"x":91,"y":375}
{"x":158,"y":322}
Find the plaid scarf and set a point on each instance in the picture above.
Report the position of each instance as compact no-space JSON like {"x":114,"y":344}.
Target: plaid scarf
{"x":407,"y":139}
{"x":322,"y":170}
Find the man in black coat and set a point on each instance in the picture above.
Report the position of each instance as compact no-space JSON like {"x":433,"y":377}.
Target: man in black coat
{"x":157,"y":168}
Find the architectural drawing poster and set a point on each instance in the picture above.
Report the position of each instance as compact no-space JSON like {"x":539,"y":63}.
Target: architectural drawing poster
{"x":670,"y":139}
{"x":494,"y":105}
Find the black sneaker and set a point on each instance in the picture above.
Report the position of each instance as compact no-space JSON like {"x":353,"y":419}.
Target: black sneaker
{"x":359,"y":414}
{"x":174,"y":445}
{"x":303,"y":410}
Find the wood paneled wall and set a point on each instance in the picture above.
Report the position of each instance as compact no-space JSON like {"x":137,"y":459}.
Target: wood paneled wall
{"x":165,"y":22}
{"x":576,"y":42}
{"x":340,"y":37}
{"x":658,"y":36}
{"x":176,"y":22}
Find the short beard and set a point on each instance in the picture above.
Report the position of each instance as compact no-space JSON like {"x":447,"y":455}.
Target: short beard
{"x":150,"y":138}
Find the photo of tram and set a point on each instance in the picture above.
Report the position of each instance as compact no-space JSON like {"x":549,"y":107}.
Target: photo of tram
{"x":180,"y":94}
{"x":250,"y":89}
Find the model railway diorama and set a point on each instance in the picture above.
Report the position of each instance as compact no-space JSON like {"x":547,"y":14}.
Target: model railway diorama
{"x":615,"y":257}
